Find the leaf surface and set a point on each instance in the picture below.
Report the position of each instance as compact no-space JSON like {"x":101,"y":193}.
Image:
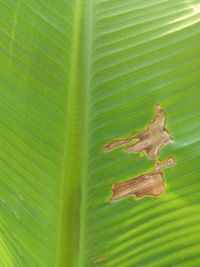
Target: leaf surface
{"x":76,"y":75}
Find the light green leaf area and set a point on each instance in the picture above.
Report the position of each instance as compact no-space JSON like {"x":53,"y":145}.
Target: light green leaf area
{"x":75,"y":75}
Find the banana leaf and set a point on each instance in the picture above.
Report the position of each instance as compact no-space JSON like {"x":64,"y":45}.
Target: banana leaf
{"x":75,"y":75}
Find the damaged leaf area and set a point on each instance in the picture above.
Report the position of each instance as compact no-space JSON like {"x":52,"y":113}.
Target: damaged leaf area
{"x":100,"y":260}
{"x":150,"y":184}
{"x":150,"y":140}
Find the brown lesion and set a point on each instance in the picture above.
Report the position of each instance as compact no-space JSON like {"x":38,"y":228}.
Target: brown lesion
{"x":115,"y":144}
{"x":150,"y":140}
{"x":100,"y":260}
{"x":150,"y":184}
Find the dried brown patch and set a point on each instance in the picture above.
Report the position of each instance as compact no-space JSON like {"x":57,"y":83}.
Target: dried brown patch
{"x":100,"y":260}
{"x":150,"y":141}
{"x":150,"y":184}
{"x":115,"y":144}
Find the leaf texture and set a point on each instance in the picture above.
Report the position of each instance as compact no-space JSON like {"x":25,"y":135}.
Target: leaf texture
{"x":74,"y":76}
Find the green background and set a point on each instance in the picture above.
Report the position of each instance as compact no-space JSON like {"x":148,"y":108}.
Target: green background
{"x":75,"y":75}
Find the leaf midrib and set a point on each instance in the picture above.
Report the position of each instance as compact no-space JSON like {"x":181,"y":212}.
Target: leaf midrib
{"x":70,"y":199}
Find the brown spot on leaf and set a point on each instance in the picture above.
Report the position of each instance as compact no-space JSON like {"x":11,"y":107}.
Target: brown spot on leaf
{"x":150,"y":140}
{"x":150,"y":184}
{"x":100,"y":260}
{"x":115,"y":143}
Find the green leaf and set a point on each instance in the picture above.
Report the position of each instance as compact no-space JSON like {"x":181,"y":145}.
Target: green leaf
{"x":75,"y":75}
